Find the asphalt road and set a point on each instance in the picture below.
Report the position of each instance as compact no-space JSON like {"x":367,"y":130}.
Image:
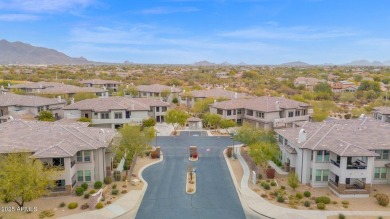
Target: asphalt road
{"x":215,"y":196}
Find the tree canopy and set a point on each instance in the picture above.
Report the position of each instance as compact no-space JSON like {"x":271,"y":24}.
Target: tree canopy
{"x":46,"y":116}
{"x":176,"y":118}
{"x":24,"y":179}
{"x":134,"y":139}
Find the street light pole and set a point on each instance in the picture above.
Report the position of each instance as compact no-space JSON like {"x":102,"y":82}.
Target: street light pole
{"x":156,"y":138}
{"x":233,"y":147}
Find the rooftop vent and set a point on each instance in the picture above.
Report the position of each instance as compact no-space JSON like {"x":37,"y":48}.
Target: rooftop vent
{"x":302,"y":136}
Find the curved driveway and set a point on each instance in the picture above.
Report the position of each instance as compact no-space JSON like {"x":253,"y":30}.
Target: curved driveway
{"x":215,"y":196}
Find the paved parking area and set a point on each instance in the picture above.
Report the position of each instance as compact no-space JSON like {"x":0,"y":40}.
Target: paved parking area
{"x":215,"y":197}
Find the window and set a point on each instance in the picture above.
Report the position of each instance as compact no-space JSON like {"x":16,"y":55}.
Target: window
{"x":280,"y":139}
{"x":239,"y":121}
{"x":219,"y":111}
{"x":234,"y":112}
{"x":60,"y":183}
{"x":297,"y":113}
{"x":128,"y":114}
{"x":58,"y":162}
{"x":239,"y":111}
{"x":157,"y":109}
{"x":88,"y":176}
{"x":259,"y":114}
{"x":322,"y":156}
{"x":384,"y":154}
{"x":322,"y":175}
{"x":304,"y":112}
{"x":118,"y":115}
{"x":40,"y":108}
{"x":229,"y":112}
{"x":87,"y":156}
{"x":380,"y":173}
{"x":79,"y":156}
{"x":164,"y":109}
{"x":291,"y":114}
{"x":249,"y":112}
{"x":105,"y":115}
{"x":80,"y":176}
{"x":86,"y":115}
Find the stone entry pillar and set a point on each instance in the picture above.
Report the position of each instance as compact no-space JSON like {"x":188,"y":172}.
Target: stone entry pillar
{"x":193,"y":150}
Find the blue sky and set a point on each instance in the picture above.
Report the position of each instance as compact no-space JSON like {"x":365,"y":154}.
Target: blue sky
{"x":186,"y":31}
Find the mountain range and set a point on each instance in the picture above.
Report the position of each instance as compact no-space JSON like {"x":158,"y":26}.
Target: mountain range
{"x":22,"y":53}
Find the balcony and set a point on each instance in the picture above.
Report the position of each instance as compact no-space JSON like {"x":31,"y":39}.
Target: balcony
{"x":357,"y":165}
{"x":335,"y":163}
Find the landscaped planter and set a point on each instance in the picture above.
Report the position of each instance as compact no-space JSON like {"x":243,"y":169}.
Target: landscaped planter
{"x":191,"y":184}
{"x":270,"y":172}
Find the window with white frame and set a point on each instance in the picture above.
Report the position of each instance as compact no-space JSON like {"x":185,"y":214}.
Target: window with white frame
{"x":322,"y":175}
{"x":239,"y":111}
{"x":260,"y":114}
{"x":380,"y":173}
{"x":79,"y":156}
{"x":384,"y":154}
{"x":80,"y":176}
{"x":104,"y":115}
{"x":322,"y":156}
{"x":291,"y":114}
{"x":87,"y":176}
{"x":228,"y":112}
{"x":118,"y":115}
{"x":87,"y":156}
{"x":297,"y":113}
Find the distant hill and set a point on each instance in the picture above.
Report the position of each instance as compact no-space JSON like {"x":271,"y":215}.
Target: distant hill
{"x":297,"y":63}
{"x":364,"y":62}
{"x":22,"y":53}
{"x":204,"y":63}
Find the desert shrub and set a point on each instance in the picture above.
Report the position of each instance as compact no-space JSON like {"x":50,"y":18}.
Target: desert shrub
{"x":264,"y":195}
{"x":62,"y":205}
{"x":84,"y":206}
{"x":323,"y":199}
{"x":345,"y":202}
{"x":79,"y":191}
{"x":115,"y":191}
{"x":321,"y":206}
{"x":98,"y":185}
{"x":46,"y":213}
{"x":108,"y":202}
{"x":92,"y":191}
{"x":341,"y":216}
{"x":280,"y":198}
{"x":86,"y":195}
{"x":345,"y":206}
{"x":84,"y":186}
{"x":260,"y":176}
{"x":273,"y":183}
{"x":113,"y":186}
{"x":306,"y":203}
{"x":266,"y":186}
{"x":72,"y":205}
{"x":307,"y":194}
{"x":299,"y":195}
{"x":99,"y":205}
{"x":124,"y":191}
{"x":107,"y":180}
{"x":283,"y":187}
{"x":334,"y":202}
{"x":263,"y":183}
{"x":382,"y":199}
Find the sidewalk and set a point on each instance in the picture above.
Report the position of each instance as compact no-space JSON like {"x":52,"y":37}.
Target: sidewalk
{"x":264,"y":209}
{"x":125,"y":207}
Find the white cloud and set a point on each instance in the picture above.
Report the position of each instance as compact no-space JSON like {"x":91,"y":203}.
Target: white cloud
{"x":167,"y":10}
{"x":38,"y":6}
{"x":18,"y":17}
{"x":289,"y":33}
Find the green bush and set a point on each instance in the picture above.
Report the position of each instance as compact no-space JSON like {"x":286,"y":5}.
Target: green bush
{"x":280,"y":198}
{"x":273,"y":183}
{"x":115,"y":191}
{"x":266,"y":186}
{"x":107,"y":180}
{"x":46,"y":213}
{"x":99,"y":205}
{"x":345,"y":202}
{"x":72,"y":205}
{"x":334,"y":202}
{"x":98,"y":185}
{"x":113,"y":186}
{"x":383,"y":199}
{"x":92,"y":191}
{"x":283,"y":187}
{"x":341,"y":216}
{"x":299,"y":195}
{"x":323,"y":199}
{"x":62,"y":205}
{"x":79,"y":191}
{"x":307,"y":194}
{"x":263,"y":183}
{"x":86,"y":195}
{"x":84,"y":186}
{"x":321,"y":206}
{"x":260,"y":176}
{"x":306,"y":203}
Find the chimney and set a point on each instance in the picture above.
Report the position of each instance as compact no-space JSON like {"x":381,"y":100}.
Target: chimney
{"x":72,"y":100}
{"x":132,"y":105}
{"x":102,"y":136}
{"x":302,"y":136}
{"x":59,"y":99}
{"x":235,"y":95}
{"x":277,"y":105}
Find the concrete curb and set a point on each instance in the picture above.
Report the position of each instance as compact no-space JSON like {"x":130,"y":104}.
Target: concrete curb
{"x":143,"y":190}
{"x":193,"y":192}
